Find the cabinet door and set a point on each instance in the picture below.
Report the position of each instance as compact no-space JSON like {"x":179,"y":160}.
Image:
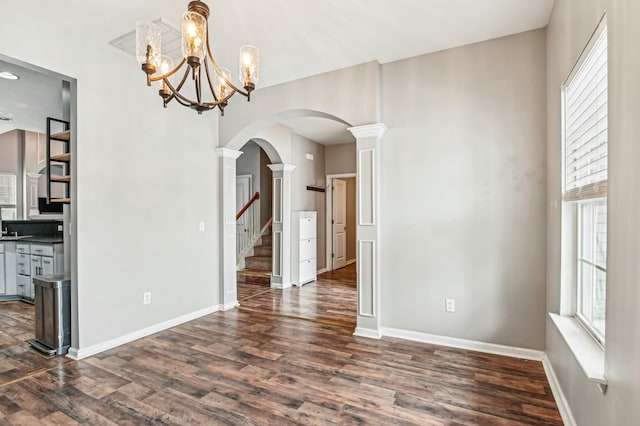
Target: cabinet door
{"x":307,"y":249}
{"x":307,"y":228}
{"x":23,"y":264}
{"x":36,"y":266}
{"x":307,"y":271}
{"x":47,"y":266}
{"x":3,"y":287}
{"x":24,"y":285}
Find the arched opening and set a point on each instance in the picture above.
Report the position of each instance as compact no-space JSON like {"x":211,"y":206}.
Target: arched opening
{"x":299,"y":184}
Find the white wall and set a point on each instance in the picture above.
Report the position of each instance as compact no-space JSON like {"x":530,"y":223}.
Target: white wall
{"x":463,"y":192}
{"x":571,"y":25}
{"x":145,"y":177}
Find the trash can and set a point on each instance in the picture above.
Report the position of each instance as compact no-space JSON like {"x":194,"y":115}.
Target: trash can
{"x":53,"y":314}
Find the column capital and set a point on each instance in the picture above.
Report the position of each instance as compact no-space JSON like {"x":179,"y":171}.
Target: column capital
{"x":228,"y":153}
{"x":281,"y":167}
{"x":368,"y":130}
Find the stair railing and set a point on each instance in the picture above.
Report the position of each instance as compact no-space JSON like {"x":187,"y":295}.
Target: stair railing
{"x":246,"y":231}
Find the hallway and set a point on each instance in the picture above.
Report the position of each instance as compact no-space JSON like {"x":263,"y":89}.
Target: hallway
{"x":331,"y":299}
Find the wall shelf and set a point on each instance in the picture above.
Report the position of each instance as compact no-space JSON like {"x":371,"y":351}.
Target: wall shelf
{"x":62,"y":137}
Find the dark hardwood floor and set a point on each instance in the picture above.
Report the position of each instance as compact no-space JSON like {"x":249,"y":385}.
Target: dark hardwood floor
{"x":17,"y":359}
{"x":330,"y":300}
{"x":269,"y":368}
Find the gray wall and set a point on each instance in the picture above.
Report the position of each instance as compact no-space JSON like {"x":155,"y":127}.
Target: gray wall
{"x":571,"y":25}
{"x":266,"y":189}
{"x":463,"y":192}
{"x":309,"y":172}
{"x":125,"y":221}
{"x":9,"y":152}
{"x":340,"y":158}
{"x":254,"y":162}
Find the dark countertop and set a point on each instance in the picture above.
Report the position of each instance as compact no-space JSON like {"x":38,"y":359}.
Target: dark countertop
{"x":34,"y":239}
{"x":43,"y":240}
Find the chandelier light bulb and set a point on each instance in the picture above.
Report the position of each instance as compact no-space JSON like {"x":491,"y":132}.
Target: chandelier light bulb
{"x":148,"y":45}
{"x":249,"y":63}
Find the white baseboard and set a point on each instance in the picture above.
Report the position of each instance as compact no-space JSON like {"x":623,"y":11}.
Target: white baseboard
{"x":368,"y":332}
{"x":77,"y":354}
{"x":349,"y":262}
{"x":280,"y":286}
{"x":471,"y":345}
{"x":561,"y":400}
{"x":230,"y":305}
{"x":321,"y":271}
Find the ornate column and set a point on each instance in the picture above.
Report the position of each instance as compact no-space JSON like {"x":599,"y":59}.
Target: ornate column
{"x":227,"y":184}
{"x":281,"y":229}
{"x":368,"y":139}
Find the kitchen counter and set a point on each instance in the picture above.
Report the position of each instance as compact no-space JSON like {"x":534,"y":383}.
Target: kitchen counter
{"x":43,"y":240}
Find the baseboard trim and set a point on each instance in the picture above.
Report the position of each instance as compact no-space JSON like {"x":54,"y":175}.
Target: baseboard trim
{"x":321,"y":271}
{"x":558,"y":394}
{"x":349,"y":262}
{"x":368,"y":333}
{"x":78,"y":354}
{"x":472,"y":345}
{"x":230,"y":305}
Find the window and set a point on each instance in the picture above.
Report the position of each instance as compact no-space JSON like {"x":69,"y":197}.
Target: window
{"x":585,"y":177}
{"x":8,"y":192}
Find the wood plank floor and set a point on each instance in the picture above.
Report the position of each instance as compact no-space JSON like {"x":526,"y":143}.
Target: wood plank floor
{"x":330,"y":300}
{"x":17,"y":359}
{"x":250,"y":367}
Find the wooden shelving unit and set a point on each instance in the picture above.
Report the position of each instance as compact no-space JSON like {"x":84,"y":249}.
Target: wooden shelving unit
{"x":62,"y":137}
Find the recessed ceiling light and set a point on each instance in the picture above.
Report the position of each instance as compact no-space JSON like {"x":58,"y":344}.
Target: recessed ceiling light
{"x":8,"y":75}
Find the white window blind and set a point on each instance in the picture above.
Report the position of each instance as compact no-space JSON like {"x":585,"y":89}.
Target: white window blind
{"x":8,"y":189}
{"x":586,"y":124}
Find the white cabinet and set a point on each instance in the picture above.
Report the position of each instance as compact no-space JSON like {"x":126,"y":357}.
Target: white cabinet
{"x":36,"y":259}
{"x":3,"y":285}
{"x":303,"y":247}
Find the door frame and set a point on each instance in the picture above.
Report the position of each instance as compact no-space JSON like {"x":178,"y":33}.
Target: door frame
{"x":329,"y":214}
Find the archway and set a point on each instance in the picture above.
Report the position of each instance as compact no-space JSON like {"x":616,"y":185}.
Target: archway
{"x":278,"y":145}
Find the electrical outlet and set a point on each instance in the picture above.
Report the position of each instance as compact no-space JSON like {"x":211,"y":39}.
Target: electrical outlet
{"x":202,"y":226}
{"x":449,"y":305}
{"x":146,"y":298}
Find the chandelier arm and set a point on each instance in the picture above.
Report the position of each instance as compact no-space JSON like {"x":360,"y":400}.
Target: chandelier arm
{"x":198,"y":86}
{"x":176,"y":90}
{"x":215,"y":66}
{"x":206,"y":69}
{"x":177,"y":93}
{"x":170,"y":73}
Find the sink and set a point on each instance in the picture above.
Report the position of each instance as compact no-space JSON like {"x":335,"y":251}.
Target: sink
{"x":13,"y":238}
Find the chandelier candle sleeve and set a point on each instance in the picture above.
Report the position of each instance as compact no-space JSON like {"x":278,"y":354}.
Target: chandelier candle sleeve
{"x":197,"y":62}
{"x":249,"y":63}
{"x":148,"y":45}
{"x":194,"y":34}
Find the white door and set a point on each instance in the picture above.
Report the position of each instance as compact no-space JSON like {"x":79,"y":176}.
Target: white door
{"x":339,"y":223}
{"x":243,"y":195}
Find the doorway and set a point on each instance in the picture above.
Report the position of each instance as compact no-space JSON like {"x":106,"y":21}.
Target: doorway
{"x":341,"y":220}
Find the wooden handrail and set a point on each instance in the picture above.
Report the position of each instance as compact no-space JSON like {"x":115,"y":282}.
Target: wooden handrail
{"x":253,"y":199}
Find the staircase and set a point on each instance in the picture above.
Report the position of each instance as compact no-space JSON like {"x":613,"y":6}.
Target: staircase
{"x":258,"y":266}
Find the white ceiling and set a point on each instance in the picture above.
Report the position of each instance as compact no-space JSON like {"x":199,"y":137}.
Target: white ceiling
{"x":29,"y":100}
{"x":299,"y":38}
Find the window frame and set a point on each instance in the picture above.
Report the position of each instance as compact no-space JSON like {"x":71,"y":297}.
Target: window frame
{"x":590,"y":193}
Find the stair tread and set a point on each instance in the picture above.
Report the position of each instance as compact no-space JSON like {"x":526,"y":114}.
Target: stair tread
{"x":255,"y":272}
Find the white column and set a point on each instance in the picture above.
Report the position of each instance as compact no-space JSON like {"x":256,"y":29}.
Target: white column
{"x":368,"y":140}
{"x":32,"y":194}
{"x":227,"y":184}
{"x":281,"y":229}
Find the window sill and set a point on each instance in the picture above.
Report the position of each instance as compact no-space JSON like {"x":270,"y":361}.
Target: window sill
{"x":587,"y":352}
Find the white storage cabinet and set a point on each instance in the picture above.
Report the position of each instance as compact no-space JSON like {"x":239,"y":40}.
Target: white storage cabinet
{"x":303,"y":247}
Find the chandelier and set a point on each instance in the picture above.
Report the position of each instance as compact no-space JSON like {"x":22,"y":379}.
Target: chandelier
{"x":197,"y":55}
